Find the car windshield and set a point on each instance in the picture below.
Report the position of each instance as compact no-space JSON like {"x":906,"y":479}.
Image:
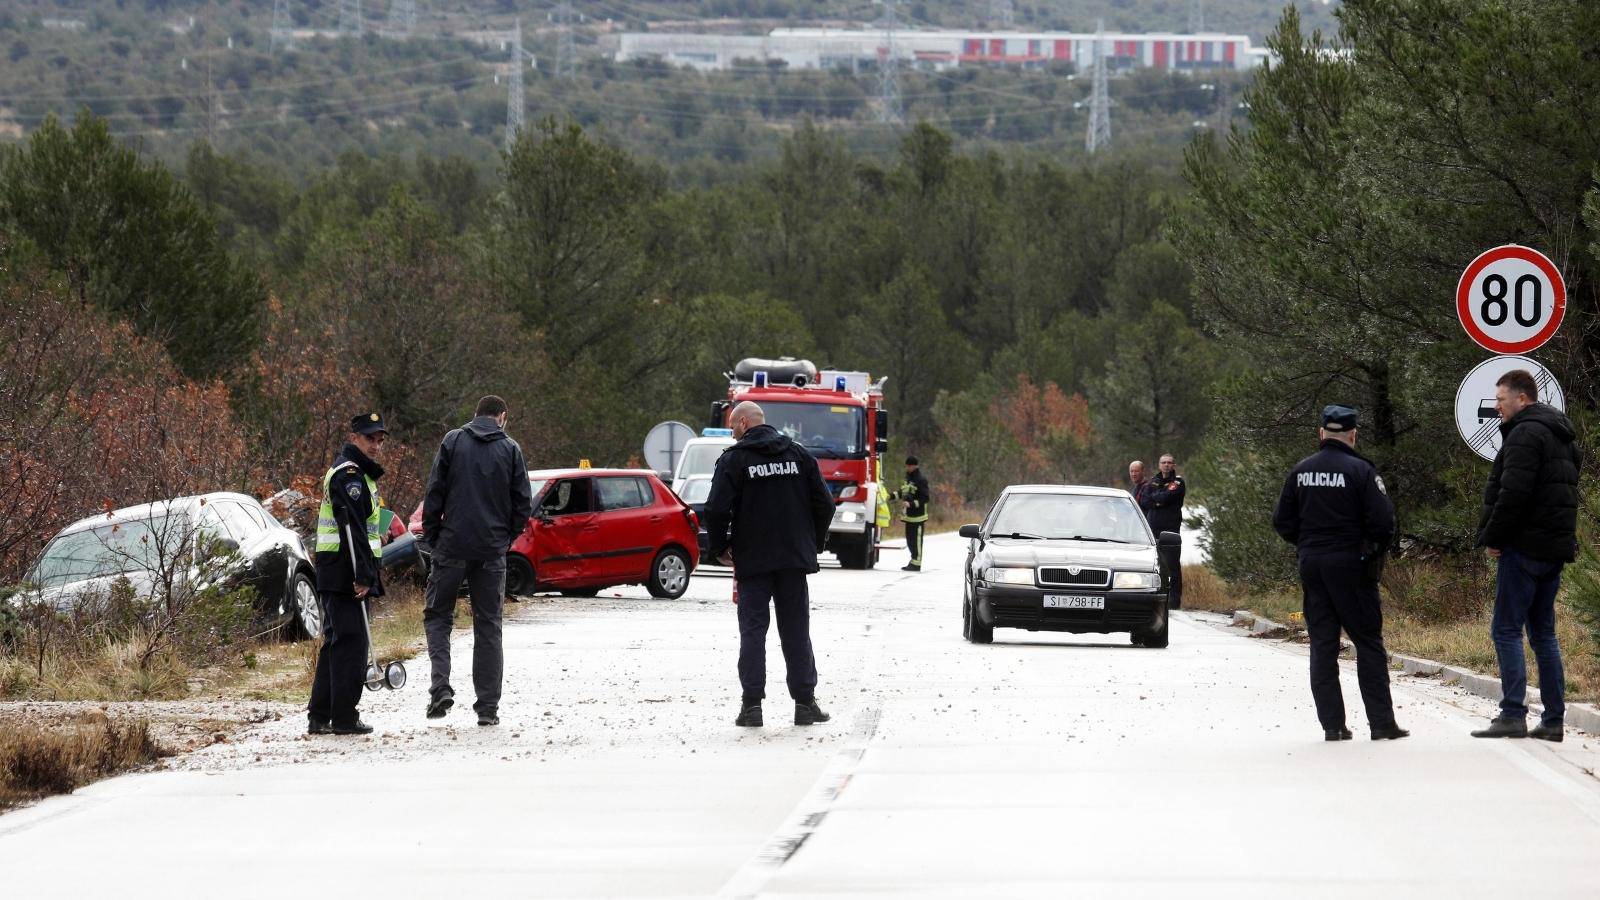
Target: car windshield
{"x":110,"y":549}
{"x":1071,"y":516}
{"x":700,"y":459}
{"x":830,"y":432}
{"x":694,"y":490}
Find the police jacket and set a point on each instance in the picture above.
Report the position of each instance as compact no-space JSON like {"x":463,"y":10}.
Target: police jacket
{"x":916,"y":494}
{"x":1531,"y":502}
{"x":339,"y":571}
{"x":1333,"y":502}
{"x":768,"y":503}
{"x":1163,"y":504}
{"x":478,"y":498}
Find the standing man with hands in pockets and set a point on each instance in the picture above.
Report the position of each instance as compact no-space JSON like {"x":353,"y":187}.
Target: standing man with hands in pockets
{"x":767,"y":516}
{"x":478,"y":501}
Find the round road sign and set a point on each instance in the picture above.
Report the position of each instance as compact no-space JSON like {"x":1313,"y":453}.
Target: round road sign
{"x":1476,"y":416}
{"x":664,"y":443}
{"x":1511,"y":299}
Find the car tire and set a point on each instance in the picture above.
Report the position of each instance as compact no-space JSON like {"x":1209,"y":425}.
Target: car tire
{"x":1157,"y":639}
{"x":580,"y":592}
{"x":856,"y":553}
{"x":669,"y":574}
{"x":305,"y":609}
{"x":519,"y":575}
{"x":977,"y":632}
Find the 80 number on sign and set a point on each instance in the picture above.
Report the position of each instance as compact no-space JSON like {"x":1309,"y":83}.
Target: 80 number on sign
{"x":1511,"y":299}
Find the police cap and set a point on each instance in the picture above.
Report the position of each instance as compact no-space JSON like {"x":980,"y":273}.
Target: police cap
{"x":368,"y":423}
{"x":1338,"y":418}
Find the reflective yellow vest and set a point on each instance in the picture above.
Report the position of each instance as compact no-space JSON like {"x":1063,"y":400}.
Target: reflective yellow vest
{"x":328,"y":537}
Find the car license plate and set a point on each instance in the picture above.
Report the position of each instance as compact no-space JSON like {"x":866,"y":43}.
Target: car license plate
{"x":1073,"y":601}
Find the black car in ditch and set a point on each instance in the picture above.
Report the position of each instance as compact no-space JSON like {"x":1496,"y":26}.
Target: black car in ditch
{"x":1065,"y":558}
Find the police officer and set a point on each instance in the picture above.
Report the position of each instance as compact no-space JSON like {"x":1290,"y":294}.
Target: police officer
{"x":915,"y":494}
{"x":348,"y":574}
{"x":767,"y":516}
{"x":1333,"y":508}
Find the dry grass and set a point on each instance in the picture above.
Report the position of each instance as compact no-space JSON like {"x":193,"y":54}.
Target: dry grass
{"x":37,"y":762}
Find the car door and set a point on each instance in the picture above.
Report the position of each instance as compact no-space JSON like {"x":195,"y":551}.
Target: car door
{"x":565,"y":531}
{"x":262,"y":558}
{"x":630,"y":526}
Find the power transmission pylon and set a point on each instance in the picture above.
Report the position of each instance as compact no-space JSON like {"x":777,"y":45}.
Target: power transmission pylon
{"x":1197,"y":16}
{"x":350,"y":17}
{"x":514,"y":90}
{"x":1002,"y":13}
{"x":1099,"y":136}
{"x":282,"y":34}
{"x":566,"y":53}
{"x":402,"y":17}
{"x":890,"y":111}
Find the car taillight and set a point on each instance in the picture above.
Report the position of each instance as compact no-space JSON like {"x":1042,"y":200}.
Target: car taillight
{"x":851,"y":492}
{"x":691,"y":518}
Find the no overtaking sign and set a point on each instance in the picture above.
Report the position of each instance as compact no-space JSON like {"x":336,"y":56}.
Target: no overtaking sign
{"x":1511,"y":299}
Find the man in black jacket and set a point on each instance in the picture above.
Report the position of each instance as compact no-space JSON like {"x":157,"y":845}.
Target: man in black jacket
{"x":915,"y":494}
{"x":1334,"y":510}
{"x":1530,"y":525}
{"x":348,"y":574}
{"x":478,"y":501}
{"x":1162,"y":502}
{"x":767,"y":516}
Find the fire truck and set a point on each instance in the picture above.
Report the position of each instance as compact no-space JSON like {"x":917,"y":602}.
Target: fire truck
{"x":839,"y":418}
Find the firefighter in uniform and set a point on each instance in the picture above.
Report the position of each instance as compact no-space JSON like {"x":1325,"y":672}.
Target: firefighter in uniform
{"x":1334,"y":510}
{"x":767,"y":516}
{"x":348,"y":574}
{"x":914,"y":493}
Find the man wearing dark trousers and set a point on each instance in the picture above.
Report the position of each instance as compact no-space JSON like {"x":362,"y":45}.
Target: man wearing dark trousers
{"x":915,"y":494}
{"x":348,"y":575}
{"x":1530,"y":527}
{"x":767,"y":516}
{"x":1162,"y":501}
{"x":478,"y":502}
{"x":1333,"y":508}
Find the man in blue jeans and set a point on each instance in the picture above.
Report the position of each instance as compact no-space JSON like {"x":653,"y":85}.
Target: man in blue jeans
{"x":1530,"y":525}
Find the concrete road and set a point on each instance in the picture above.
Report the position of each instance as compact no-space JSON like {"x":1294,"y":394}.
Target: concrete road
{"x":1043,"y":765}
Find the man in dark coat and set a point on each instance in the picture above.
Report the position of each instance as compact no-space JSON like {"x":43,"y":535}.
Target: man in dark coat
{"x":915,"y":494}
{"x":1162,"y":502}
{"x":478,"y":502}
{"x":349,"y":573}
{"x":1334,"y":510}
{"x":1530,"y":526}
{"x":767,"y":516}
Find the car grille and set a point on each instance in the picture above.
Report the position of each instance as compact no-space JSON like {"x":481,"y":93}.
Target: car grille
{"x":1084,"y":577}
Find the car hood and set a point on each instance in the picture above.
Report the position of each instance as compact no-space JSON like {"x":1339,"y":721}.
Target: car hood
{"x":1018,"y":553}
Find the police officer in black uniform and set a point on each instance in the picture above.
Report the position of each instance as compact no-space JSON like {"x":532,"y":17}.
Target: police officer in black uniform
{"x":348,"y":575}
{"x":1333,"y":508}
{"x":767,"y":516}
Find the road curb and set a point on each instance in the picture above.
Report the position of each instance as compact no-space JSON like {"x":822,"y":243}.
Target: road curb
{"x":1579,"y":715}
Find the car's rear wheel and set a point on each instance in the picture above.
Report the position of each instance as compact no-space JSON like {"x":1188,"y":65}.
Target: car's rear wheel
{"x":669,"y":574}
{"x":305,"y":609}
{"x":519,"y":575}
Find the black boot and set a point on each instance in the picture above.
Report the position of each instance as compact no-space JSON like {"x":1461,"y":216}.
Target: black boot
{"x":749,"y":716}
{"x":1553,"y":733}
{"x":1389,"y":733}
{"x":356,"y":727}
{"x":911,"y":567}
{"x":809,"y":714}
{"x":1339,"y":734}
{"x":316,"y":726}
{"x":1503,"y":727}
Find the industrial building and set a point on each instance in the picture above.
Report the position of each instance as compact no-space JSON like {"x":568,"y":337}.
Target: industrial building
{"x":826,"y":48}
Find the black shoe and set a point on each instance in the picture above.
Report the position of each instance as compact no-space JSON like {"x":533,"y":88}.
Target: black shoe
{"x":1338,"y":734}
{"x":356,"y":727}
{"x":749,"y":716}
{"x":809,"y":714}
{"x":488,"y":718}
{"x":1503,"y":727}
{"x":437,"y":708}
{"x":1552,"y":733}
{"x":1389,"y":733}
{"x":911,"y":567}
{"x":315,"y":726}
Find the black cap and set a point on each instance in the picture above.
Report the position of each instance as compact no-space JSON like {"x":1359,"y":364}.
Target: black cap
{"x":1338,"y":418}
{"x":368,"y":423}
{"x":911,"y":461}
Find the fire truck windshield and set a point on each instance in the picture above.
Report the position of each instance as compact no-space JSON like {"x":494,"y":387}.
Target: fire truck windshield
{"x":830,"y":432}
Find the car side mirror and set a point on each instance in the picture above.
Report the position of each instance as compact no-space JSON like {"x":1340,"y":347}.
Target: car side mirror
{"x":880,"y":447}
{"x":1169,"y":539}
{"x":971,"y":532}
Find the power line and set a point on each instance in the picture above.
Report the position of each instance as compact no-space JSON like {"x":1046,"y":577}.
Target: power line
{"x":514,"y":102}
{"x":1099,"y":135}
{"x":890,"y":109}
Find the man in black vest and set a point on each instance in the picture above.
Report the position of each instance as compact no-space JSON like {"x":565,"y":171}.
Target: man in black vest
{"x":1333,"y":508}
{"x":767,"y":516}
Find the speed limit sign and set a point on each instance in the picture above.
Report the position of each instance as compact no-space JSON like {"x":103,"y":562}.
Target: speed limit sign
{"x":1511,"y":299}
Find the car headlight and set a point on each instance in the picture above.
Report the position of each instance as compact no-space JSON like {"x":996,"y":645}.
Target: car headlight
{"x":849,"y":516}
{"x":1135,"y":581}
{"x":998,"y":575}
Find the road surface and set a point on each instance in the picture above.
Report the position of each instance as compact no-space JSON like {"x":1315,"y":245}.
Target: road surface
{"x":1043,"y":765}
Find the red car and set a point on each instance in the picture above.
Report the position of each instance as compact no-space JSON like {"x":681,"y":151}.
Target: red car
{"x":598,"y":528}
